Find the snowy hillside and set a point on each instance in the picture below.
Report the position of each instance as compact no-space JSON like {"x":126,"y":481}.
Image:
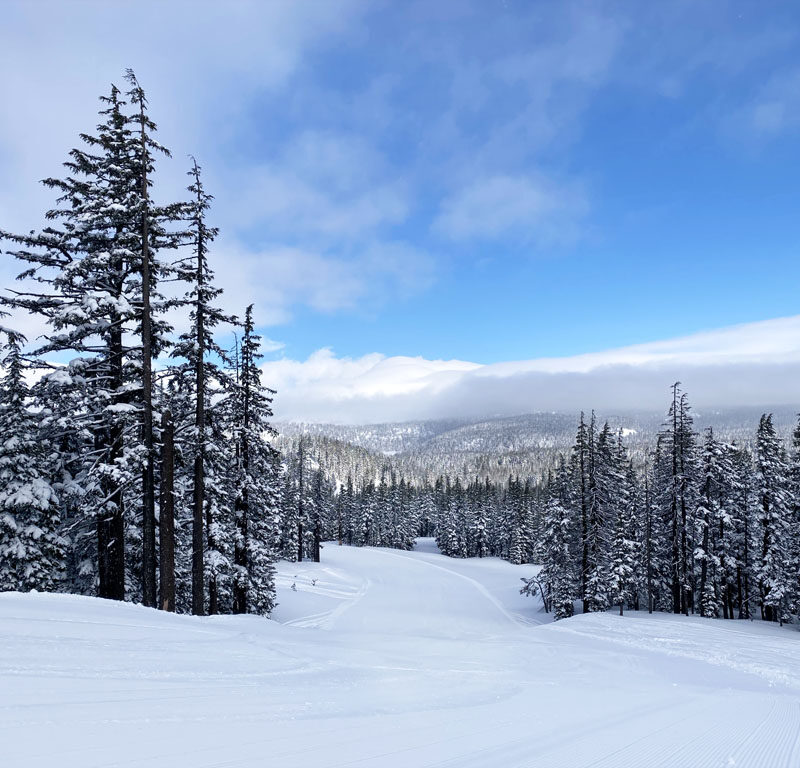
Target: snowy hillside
{"x":525,"y":445}
{"x":385,"y":658}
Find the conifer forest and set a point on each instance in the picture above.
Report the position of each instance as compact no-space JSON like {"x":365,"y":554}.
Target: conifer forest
{"x":139,"y":463}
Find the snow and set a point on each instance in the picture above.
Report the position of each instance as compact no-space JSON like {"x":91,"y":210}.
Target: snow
{"x":385,"y":658}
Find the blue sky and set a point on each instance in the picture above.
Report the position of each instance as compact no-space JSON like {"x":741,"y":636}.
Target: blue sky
{"x":485,"y":181}
{"x":667,"y":144}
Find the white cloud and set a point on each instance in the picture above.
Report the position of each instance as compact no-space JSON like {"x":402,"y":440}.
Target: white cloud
{"x":776,"y":107}
{"x":754,"y":363}
{"x":204,"y":67}
{"x":526,"y":207}
{"x":320,"y":184}
{"x":275,"y":278}
{"x":201,"y":65}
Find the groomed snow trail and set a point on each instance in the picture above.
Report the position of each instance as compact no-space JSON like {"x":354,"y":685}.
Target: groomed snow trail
{"x":385,"y":658}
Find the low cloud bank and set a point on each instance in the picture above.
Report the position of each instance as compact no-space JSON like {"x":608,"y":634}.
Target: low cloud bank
{"x":750,"y":364}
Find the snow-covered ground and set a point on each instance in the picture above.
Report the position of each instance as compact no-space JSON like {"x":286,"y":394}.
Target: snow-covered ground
{"x":385,"y":658}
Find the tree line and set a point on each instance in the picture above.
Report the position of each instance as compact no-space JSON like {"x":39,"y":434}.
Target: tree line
{"x":699,"y":525}
{"x":705,"y":526}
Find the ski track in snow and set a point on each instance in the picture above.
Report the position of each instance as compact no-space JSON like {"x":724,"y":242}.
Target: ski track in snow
{"x":379,"y":658}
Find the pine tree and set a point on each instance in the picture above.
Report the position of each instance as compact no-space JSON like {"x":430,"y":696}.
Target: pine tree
{"x":31,"y":548}
{"x":166,"y":518}
{"x":708,"y":512}
{"x":480,"y":522}
{"x":89,"y":261}
{"x":86,"y":264}
{"x":676,"y":494}
{"x":625,"y":555}
{"x":773,"y":569}
{"x":606,"y":482}
{"x":201,"y":352}
{"x":581,"y":469}
{"x":257,"y":501}
{"x":558,"y":566}
{"x":794,"y":522}
{"x":743,"y":502}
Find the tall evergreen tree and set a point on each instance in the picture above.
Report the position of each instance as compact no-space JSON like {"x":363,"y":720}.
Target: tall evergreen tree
{"x":773,"y":569}
{"x":256,"y":506}
{"x":31,"y":548}
{"x":203,"y":363}
{"x":676,"y":495}
{"x":84,"y":276}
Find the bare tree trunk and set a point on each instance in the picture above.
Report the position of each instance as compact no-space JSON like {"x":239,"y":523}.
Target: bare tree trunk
{"x":148,"y":495}
{"x":198,"y":500}
{"x":111,"y":524}
{"x":240,"y":554}
{"x":317,"y":541}
{"x":166,"y":528}
{"x":243,"y":499}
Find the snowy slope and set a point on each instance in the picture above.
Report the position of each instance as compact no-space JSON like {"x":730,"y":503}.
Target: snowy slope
{"x":385,"y":658}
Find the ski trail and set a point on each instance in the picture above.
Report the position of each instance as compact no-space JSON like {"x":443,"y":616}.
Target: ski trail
{"x":326,"y":619}
{"x":511,"y":617}
{"x":374,"y":662}
{"x":773,"y":744}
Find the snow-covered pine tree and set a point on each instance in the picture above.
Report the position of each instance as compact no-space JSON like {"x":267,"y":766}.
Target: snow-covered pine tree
{"x":203,"y":366}
{"x":479,"y":522}
{"x":558,"y":575}
{"x":519,"y":540}
{"x":426,"y":510}
{"x":714,"y":524}
{"x":707,"y":515}
{"x":606,"y":482}
{"x":176,"y":396}
{"x":349,"y":512}
{"x":729,"y":531}
{"x":85,"y":261}
{"x":58,"y":399}
{"x":773,"y":569}
{"x":320,"y":510}
{"x":676,"y":496}
{"x":742,"y":511}
{"x":581,"y":464}
{"x":287,"y":538}
{"x":220,"y":481}
{"x":647,"y":528}
{"x":84,"y":276}
{"x":31,"y":547}
{"x":618,"y":494}
{"x":446,"y":532}
{"x":794,"y":480}
{"x":257,"y":501}
{"x":633,"y":496}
